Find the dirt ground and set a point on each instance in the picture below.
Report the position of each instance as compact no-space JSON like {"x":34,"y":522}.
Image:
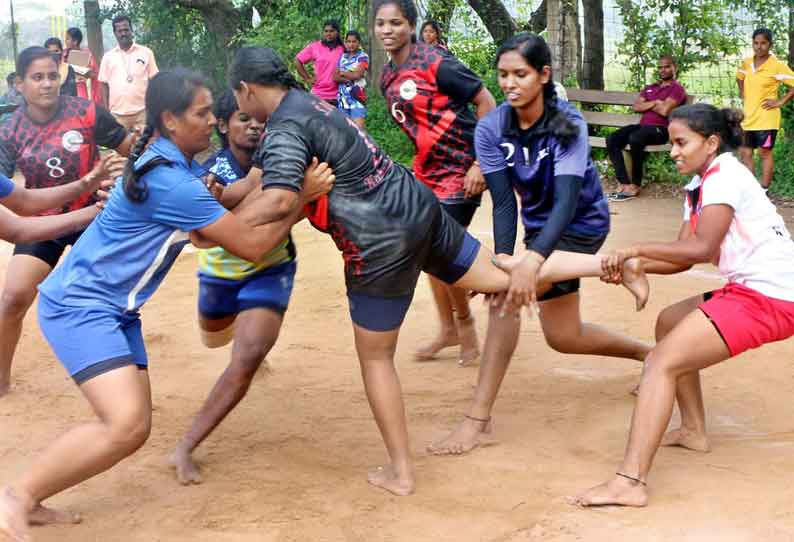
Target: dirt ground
{"x":289,"y":464}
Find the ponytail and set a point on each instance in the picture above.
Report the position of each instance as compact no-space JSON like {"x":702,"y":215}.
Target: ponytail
{"x":707,"y":120}
{"x":262,"y":66}
{"x":134,"y":187}
{"x":538,"y":55}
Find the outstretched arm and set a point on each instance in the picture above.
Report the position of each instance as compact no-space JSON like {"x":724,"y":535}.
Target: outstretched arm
{"x":15,"y":229}
{"x":25,"y":202}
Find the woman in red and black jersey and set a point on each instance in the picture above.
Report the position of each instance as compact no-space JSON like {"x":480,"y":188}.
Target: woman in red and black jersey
{"x":53,"y":141}
{"x":428,"y":92}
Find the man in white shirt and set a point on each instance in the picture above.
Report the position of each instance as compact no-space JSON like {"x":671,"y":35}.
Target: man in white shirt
{"x":124,"y":73}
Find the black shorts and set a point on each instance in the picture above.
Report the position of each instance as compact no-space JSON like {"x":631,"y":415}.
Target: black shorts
{"x":570,"y":242}
{"x":462,"y":213}
{"x":760,"y":139}
{"x":48,"y":251}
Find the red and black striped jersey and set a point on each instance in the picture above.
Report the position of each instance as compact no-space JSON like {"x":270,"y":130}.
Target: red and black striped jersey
{"x":61,"y":150}
{"x":428,"y":96}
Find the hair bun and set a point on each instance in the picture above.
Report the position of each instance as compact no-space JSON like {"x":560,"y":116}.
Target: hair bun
{"x":733,"y":116}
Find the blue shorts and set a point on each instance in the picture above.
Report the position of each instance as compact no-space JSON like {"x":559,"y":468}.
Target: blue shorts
{"x":354,"y":112}
{"x":376,"y":313}
{"x":271,"y":289}
{"x":90,"y":341}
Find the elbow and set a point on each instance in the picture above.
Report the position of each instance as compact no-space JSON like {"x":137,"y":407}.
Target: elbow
{"x":283,"y":203}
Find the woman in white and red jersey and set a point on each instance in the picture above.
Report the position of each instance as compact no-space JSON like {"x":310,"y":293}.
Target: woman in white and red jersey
{"x":728,"y":221}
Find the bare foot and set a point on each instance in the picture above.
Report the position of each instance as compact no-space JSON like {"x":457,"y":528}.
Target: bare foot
{"x":685,"y":438}
{"x":386,"y":477}
{"x":636,"y":282}
{"x":13,"y":517}
{"x":187,"y":472}
{"x":469,"y":345}
{"x":429,"y":351}
{"x":468,"y":435}
{"x":619,"y":491}
{"x":41,"y":515}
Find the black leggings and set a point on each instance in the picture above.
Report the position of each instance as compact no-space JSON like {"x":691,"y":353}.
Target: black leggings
{"x":637,"y":137}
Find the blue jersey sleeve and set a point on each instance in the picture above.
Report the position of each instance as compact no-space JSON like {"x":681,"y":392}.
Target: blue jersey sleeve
{"x":488,"y":148}
{"x":6,"y":186}
{"x":189,"y":206}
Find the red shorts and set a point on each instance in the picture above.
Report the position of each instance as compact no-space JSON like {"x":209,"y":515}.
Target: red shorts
{"x":748,"y":319}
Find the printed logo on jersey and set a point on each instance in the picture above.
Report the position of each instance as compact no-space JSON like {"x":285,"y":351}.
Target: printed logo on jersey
{"x":542,"y":153}
{"x":408,"y":90}
{"x":72,"y":140}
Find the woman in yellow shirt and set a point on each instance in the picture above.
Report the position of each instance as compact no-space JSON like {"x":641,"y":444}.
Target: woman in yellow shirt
{"x":759,"y":79}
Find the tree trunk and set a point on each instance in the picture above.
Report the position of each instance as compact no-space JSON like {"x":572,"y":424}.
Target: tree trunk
{"x":222,"y":19}
{"x":441,"y":11}
{"x":496,"y":18}
{"x":93,"y":29}
{"x":377,"y":54}
{"x":537,"y":21}
{"x":593,"y":61}
{"x":564,"y":39}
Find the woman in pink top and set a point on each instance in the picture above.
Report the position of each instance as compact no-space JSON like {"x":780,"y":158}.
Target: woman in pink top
{"x":325,"y":54}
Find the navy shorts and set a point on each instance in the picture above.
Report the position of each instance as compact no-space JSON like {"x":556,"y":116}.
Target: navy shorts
{"x":570,"y":242}
{"x":760,"y":139}
{"x":90,"y":341}
{"x":379,"y":313}
{"x":462,"y":213}
{"x":48,"y":251}
{"x":271,"y":289}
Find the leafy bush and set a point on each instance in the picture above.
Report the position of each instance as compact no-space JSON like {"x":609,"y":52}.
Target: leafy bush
{"x":385,"y":131}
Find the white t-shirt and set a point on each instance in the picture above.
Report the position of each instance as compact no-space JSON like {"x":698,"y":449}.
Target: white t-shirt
{"x":757,"y":250}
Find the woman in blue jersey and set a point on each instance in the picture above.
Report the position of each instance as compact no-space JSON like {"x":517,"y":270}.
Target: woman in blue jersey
{"x":237,"y":298}
{"x":88,"y":307}
{"x":537,"y":146}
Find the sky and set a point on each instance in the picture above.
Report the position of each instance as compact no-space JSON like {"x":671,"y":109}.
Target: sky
{"x":29,"y":9}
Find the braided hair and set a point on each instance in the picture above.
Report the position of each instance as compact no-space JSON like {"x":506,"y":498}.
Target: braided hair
{"x":171,"y":91}
{"x":262,"y":66}
{"x":538,"y":55}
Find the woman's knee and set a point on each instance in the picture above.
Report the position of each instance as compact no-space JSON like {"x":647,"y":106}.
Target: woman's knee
{"x":128,"y":432}
{"x":16,"y":300}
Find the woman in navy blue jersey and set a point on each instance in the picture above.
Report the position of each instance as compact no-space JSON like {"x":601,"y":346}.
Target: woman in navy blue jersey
{"x":537,"y":146}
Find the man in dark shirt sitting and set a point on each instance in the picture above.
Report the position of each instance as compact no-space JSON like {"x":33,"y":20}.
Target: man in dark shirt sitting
{"x":655,"y":102}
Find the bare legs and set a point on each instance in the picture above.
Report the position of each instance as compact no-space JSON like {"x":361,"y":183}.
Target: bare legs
{"x":255,"y":334}
{"x":692,"y":345}
{"x":18,"y":295}
{"x":564,"y":331}
{"x":457,"y":324}
{"x":121,"y":400}
{"x":767,"y":164}
{"x":382,"y":385}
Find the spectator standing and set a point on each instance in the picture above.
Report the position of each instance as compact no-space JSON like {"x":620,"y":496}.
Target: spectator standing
{"x":353,"y":64}
{"x":431,"y":35}
{"x":125,"y":72}
{"x":86,"y":82}
{"x":759,"y":79}
{"x":325,"y":55}
{"x":655,"y":102}
{"x":68,"y":82}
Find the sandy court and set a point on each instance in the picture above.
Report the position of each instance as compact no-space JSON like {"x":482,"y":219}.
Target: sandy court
{"x":289,"y":464}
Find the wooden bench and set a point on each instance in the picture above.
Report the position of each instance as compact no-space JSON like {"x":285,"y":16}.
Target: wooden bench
{"x":616,"y":120}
